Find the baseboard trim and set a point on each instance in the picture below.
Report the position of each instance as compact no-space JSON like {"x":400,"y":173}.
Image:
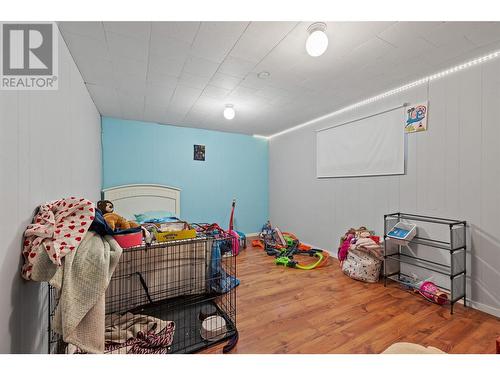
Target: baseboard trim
{"x":320,"y":248}
{"x":483,"y":307}
{"x":495,"y":311}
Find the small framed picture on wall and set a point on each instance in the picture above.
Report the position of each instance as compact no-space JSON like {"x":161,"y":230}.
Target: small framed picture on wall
{"x":199,"y":152}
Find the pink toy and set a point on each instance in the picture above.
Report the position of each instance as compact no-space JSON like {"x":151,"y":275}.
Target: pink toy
{"x":344,"y":248}
{"x":430,"y":291}
{"x":232,"y":232}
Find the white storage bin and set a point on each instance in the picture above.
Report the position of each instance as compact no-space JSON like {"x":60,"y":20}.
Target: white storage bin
{"x":402,"y":233}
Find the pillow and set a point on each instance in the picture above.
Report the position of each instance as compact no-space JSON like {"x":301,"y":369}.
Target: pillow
{"x":154,"y":216}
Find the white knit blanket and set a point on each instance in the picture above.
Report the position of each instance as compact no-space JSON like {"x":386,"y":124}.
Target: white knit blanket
{"x":81,"y":281}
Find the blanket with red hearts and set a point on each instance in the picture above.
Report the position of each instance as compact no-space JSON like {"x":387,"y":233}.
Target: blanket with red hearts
{"x":57,"y":228}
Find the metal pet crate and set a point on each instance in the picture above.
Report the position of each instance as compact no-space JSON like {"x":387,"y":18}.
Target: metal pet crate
{"x":452,"y":248}
{"x":183,"y":282}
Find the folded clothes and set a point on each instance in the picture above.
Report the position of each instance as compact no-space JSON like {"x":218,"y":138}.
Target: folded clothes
{"x":366,"y":244}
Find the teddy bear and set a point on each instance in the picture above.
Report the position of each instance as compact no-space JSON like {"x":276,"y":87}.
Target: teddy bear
{"x":115,"y":221}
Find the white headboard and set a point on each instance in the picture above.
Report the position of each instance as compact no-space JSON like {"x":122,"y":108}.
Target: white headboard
{"x":133,"y":199}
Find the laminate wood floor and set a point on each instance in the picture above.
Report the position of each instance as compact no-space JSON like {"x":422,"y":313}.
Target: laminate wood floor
{"x":283,"y":310}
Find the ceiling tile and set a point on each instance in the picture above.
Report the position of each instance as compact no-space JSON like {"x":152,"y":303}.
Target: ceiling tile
{"x":125,"y":47}
{"x":401,"y":33}
{"x":485,"y":33}
{"x":252,"y":81}
{"x":182,"y":31}
{"x":207,"y":105}
{"x":173,"y":118}
{"x":97,"y":71}
{"x":106,"y":100}
{"x":447,"y":33}
{"x":168,"y":47}
{"x":165,"y":66}
{"x":130,"y":84}
{"x":266,"y":28}
{"x":272,"y":92}
{"x":215,"y":39}
{"x":225,"y":81}
{"x":130,"y":67}
{"x":92,"y":30}
{"x":193,"y":81}
{"x":84,"y":47}
{"x":132,"y":105}
{"x":159,"y":96}
{"x":200,"y":67}
{"x":236,"y":67}
{"x":135,"y":30}
{"x":216,"y":92}
{"x":153,"y":113}
{"x":259,"y":39}
{"x":370,"y":50}
{"x":183,"y":98}
{"x":448,"y":51}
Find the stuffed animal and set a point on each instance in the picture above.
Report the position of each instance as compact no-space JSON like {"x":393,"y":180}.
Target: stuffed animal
{"x":115,"y":221}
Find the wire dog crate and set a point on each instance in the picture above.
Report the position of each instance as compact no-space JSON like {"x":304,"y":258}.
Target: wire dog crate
{"x":172,"y":297}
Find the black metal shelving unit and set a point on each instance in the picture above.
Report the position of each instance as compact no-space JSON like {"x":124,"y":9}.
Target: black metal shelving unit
{"x":455,"y":247}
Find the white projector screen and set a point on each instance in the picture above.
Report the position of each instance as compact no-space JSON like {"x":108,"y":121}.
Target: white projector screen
{"x":373,"y":145}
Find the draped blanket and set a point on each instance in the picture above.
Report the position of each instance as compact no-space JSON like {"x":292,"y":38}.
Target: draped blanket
{"x":138,"y":334}
{"x":57,"y":229}
{"x":81,"y":283}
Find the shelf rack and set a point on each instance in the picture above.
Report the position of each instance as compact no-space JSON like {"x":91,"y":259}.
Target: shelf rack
{"x":455,"y":247}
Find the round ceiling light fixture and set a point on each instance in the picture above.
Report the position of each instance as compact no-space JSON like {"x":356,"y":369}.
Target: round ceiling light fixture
{"x":229,"y":112}
{"x":317,"y":41}
{"x":263,"y":75}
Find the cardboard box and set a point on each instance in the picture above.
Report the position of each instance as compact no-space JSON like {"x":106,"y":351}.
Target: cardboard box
{"x":175,"y":236}
{"x":164,"y":235}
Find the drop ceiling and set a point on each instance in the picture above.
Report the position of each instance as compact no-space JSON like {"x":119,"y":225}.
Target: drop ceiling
{"x":183,"y":73}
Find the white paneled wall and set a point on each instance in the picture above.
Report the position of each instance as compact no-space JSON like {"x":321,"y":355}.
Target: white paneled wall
{"x":453,"y":170}
{"x":49,"y":148}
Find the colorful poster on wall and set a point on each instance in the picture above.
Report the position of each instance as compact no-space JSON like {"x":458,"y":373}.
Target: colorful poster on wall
{"x":416,"y":120}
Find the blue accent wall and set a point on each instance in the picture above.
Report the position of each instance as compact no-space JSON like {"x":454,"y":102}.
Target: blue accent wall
{"x":236,"y":166}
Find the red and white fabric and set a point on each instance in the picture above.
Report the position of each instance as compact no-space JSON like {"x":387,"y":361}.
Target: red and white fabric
{"x":59,"y":226}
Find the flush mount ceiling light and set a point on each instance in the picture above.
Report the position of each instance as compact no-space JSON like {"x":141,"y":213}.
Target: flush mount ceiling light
{"x":229,"y":112}
{"x":263,"y":75}
{"x":317,"y":41}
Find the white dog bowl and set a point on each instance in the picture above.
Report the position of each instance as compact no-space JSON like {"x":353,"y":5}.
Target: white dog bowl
{"x":213,"y":328}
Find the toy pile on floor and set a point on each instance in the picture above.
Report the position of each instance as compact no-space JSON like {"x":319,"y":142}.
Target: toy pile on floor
{"x":286,"y":249}
{"x":361,"y":255}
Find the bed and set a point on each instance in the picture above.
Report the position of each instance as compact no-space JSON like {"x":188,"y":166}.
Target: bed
{"x":137,"y":198}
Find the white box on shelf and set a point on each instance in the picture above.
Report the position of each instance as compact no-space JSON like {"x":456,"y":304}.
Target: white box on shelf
{"x":402,"y":233}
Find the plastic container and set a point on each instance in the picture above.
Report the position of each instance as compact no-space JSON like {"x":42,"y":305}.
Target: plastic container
{"x":129,"y":239}
{"x":402,"y":232}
